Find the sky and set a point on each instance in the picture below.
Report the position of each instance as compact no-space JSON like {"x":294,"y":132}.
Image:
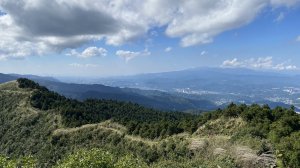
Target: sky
{"x":96,"y":38}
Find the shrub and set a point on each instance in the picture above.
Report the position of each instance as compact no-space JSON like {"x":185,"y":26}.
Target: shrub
{"x":94,"y":158}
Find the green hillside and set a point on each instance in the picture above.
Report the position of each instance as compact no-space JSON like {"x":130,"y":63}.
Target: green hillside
{"x":40,"y":128}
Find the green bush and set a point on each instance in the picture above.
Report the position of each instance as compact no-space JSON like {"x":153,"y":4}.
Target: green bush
{"x":129,"y":161}
{"x":98,"y":158}
{"x":94,"y":158}
{"x":29,"y":84}
{"x":24,"y":162}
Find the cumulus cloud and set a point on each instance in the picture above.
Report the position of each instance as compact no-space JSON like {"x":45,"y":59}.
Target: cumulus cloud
{"x":37,"y":27}
{"x":168,"y":49}
{"x":128,"y":55}
{"x":231,"y":63}
{"x":89,"y":52}
{"x":197,"y":22}
{"x":11,"y":46}
{"x":283,"y":66}
{"x":257,"y":63}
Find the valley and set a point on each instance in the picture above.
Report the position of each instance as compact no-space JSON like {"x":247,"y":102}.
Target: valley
{"x":220,"y":86}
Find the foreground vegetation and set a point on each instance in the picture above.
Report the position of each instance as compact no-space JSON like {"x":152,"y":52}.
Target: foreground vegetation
{"x":58,"y":132}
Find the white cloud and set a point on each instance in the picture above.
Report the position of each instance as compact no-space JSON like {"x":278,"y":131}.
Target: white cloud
{"x":39,"y":27}
{"x":128,"y":55}
{"x":11,"y":46}
{"x":280,"y":17}
{"x":203,"y":53}
{"x":168,"y":49}
{"x":257,"y":63}
{"x":298,"y":39}
{"x":78,"y":65}
{"x":198,"y":22}
{"x":89,"y":52}
{"x":231,"y":63}
{"x":291,"y":67}
{"x":261,"y":63}
{"x":283,"y":66}
{"x":2,"y":58}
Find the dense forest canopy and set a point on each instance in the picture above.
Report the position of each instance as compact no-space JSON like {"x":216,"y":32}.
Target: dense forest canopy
{"x":148,"y":123}
{"x":276,"y":131}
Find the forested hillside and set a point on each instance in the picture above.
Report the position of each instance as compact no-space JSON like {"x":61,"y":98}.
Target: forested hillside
{"x":41,"y":128}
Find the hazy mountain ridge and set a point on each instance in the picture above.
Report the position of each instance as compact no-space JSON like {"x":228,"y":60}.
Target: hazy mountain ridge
{"x":191,"y":89}
{"x":6,"y":78}
{"x":149,"y":98}
{"x":220,"y":85}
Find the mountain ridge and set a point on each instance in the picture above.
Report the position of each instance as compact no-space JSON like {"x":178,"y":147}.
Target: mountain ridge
{"x":34,"y":123}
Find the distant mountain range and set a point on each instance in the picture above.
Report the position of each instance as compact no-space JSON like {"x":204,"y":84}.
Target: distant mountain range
{"x":149,"y":98}
{"x":219,"y":85}
{"x":6,"y":78}
{"x":193,"y":89}
{"x":214,"y":79}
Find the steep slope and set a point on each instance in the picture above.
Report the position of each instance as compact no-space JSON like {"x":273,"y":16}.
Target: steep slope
{"x":24,"y":129}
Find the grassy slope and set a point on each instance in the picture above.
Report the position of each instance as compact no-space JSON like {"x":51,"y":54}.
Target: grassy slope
{"x":28,"y":131}
{"x":26,"y":127}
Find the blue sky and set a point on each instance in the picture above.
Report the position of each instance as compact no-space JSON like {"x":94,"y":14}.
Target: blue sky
{"x":119,"y":39}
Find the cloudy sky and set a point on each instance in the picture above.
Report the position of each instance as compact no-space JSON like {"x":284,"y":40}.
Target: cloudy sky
{"x":120,"y":37}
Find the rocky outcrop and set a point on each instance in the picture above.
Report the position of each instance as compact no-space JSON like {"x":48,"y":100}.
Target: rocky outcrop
{"x":247,"y":157}
{"x":198,"y":144}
